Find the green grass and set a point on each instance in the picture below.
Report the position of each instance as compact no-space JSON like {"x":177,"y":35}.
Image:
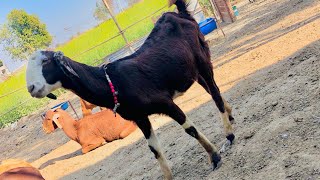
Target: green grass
{"x":17,"y":81}
{"x":108,"y":29}
{"x":77,"y":45}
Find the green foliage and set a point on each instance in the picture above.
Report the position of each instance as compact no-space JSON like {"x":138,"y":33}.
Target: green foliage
{"x":206,"y":7}
{"x":1,"y":63}
{"x":7,"y":103}
{"x":101,"y":13}
{"x":22,"y":34}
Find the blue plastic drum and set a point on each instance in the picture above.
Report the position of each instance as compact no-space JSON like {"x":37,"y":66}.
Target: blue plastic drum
{"x":207,"y":26}
{"x":63,"y":105}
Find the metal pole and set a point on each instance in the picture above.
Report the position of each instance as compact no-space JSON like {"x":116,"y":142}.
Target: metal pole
{"x":73,"y":109}
{"x":116,"y":22}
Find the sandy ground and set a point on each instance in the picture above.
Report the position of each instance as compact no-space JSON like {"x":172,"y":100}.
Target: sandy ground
{"x":268,"y":68}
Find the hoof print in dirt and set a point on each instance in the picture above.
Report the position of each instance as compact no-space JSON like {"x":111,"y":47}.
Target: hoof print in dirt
{"x":225,"y":147}
{"x":216,"y":161}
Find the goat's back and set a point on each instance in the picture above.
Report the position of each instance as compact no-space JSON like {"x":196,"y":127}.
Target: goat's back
{"x":168,"y":59}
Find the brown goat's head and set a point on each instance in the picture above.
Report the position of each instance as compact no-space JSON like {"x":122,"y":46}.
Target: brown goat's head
{"x":50,"y":122}
{"x":18,"y":169}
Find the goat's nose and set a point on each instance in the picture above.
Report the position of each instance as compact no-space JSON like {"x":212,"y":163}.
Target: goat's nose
{"x":30,"y":88}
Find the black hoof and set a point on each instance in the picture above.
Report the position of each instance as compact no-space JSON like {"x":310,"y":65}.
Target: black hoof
{"x":231,"y":119}
{"x":231,"y":137}
{"x":216,"y":161}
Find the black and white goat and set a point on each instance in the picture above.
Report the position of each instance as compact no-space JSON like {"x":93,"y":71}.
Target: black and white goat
{"x":173,"y":57}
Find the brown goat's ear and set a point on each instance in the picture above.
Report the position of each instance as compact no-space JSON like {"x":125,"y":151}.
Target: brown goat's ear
{"x":55,"y":119}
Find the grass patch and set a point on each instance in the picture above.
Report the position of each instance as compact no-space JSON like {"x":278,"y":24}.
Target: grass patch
{"x":31,"y":105}
{"x":74,"y":47}
{"x":108,"y":29}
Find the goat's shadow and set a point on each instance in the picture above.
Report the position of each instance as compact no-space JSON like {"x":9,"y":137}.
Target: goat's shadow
{"x":66,"y":156}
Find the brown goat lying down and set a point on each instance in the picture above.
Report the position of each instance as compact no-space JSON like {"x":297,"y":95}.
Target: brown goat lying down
{"x":91,"y":131}
{"x":15,"y":169}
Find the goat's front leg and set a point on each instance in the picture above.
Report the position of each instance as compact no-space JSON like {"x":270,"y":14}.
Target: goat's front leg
{"x":93,"y":144}
{"x":147,"y":130}
{"x":226,"y":117}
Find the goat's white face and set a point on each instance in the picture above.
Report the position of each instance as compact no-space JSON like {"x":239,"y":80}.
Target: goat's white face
{"x":36,"y":82}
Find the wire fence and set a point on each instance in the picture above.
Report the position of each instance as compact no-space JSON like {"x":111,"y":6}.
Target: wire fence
{"x":119,"y":33}
{"x":12,"y":92}
{"x":8,"y":113}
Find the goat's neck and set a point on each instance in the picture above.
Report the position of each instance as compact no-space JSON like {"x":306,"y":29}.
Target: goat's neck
{"x":91,"y":85}
{"x":69,"y":127}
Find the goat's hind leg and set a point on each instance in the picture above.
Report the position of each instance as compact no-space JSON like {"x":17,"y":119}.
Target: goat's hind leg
{"x":229,"y":110}
{"x":207,"y":82}
{"x":147,"y":130}
{"x":227,"y":107}
{"x":177,"y":114}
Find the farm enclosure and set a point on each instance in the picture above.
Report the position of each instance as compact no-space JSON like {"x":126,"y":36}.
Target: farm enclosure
{"x":268,"y":68}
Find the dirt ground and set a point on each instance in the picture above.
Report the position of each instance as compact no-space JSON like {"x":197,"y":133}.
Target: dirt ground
{"x":268,"y":68}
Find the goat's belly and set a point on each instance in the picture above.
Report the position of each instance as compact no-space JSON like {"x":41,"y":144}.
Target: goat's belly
{"x":177,"y":94}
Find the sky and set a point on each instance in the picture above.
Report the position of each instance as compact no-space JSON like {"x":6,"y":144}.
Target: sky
{"x":64,"y":18}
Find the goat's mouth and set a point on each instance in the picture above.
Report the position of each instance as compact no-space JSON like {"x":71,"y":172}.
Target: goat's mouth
{"x":49,"y":130}
{"x":55,"y":126}
{"x":39,"y":93}
{"x":51,"y":96}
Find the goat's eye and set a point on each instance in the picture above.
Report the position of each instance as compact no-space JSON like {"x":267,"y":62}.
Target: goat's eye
{"x":45,"y":60}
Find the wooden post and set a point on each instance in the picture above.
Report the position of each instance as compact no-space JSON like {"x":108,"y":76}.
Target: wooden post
{"x":214,"y":8}
{"x":116,"y":22}
{"x":225,"y":10}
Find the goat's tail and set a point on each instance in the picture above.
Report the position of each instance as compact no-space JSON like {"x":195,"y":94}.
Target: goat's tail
{"x":181,"y":6}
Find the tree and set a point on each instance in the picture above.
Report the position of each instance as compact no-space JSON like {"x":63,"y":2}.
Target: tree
{"x":101,"y":13}
{"x":1,"y":63}
{"x":22,"y":34}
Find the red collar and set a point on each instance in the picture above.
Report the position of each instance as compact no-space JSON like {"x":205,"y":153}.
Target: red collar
{"x":114,"y":92}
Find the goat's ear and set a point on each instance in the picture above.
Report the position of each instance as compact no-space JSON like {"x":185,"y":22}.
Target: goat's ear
{"x":55,"y":119}
{"x":69,"y":68}
{"x":58,"y":55}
